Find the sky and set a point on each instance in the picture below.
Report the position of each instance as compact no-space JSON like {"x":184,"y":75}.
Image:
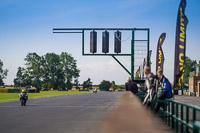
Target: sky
{"x":26,"y":26}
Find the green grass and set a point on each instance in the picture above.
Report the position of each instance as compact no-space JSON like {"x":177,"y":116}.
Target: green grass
{"x":4,"y":97}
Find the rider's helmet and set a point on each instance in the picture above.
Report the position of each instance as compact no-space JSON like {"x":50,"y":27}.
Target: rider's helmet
{"x":23,"y":90}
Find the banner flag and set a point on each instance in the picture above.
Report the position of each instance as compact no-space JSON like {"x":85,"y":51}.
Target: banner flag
{"x":160,"y":56}
{"x":180,"y":45}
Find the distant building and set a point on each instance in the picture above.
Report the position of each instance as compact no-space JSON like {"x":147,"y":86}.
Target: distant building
{"x":194,"y":81}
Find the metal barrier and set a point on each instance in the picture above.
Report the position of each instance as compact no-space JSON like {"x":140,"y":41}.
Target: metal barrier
{"x":141,"y":95}
{"x":181,"y":117}
{"x":196,"y":127}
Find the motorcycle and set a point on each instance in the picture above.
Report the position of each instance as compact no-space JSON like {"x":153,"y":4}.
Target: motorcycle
{"x":95,"y":91}
{"x":23,"y":98}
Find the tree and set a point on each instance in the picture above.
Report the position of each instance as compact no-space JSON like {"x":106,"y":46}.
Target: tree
{"x":49,"y":71}
{"x":87,"y":84}
{"x":69,"y":85}
{"x":76,"y":83}
{"x":20,"y":78}
{"x":121,"y":87}
{"x":52,"y":71}
{"x":190,"y":66}
{"x":59,"y":70}
{"x":114,"y":86}
{"x":34,"y":69}
{"x":105,"y":85}
{"x":69,"y":66}
{"x":3,"y":73}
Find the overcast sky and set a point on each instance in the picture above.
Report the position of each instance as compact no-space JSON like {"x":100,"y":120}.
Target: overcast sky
{"x":26,"y":26}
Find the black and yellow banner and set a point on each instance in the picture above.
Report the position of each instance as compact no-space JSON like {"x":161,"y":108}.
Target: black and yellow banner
{"x":137,"y":75}
{"x":150,"y":53}
{"x":144,"y":64}
{"x":180,"y":45}
{"x":160,"y":56}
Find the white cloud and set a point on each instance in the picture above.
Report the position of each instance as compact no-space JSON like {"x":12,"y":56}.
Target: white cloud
{"x":102,"y":70}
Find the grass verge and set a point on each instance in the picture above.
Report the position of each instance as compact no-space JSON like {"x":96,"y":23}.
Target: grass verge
{"x":4,"y":97}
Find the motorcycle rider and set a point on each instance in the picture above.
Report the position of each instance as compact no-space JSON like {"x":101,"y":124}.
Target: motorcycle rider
{"x":95,"y":90}
{"x":23,"y":94}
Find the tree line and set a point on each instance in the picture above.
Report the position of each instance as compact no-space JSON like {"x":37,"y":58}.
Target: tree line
{"x":52,"y":71}
{"x":48,"y":71}
{"x":60,"y":72}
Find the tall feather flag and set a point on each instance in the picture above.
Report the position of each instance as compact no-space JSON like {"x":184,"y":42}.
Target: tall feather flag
{"x":138,"y":73}
{"x":160,"y":55}
{"x":144,"y":64}
{"x":150,"y":53}
{"x":180,"y":45}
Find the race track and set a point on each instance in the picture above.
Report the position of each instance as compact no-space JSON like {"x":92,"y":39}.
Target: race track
{"x":80,"y":113}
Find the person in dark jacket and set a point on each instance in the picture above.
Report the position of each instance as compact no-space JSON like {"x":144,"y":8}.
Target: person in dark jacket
{"x":166,"y":90}
{"x":131,"y":86}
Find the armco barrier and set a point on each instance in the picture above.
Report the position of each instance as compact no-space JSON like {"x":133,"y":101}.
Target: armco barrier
{"x":32,"y":91}
{"x":13,"y":90}
{"x":181,"y":117}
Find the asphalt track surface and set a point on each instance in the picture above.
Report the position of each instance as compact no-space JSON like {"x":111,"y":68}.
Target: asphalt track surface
{"x":80,"y":113}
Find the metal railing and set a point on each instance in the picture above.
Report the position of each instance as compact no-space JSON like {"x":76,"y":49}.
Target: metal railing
{"x":180,"y":116}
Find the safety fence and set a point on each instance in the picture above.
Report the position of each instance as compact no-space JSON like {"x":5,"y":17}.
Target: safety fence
{"x":184,"y":118}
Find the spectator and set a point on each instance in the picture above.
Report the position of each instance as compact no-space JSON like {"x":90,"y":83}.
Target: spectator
{"x":150,"y":87}
{"x":131,"y":86}
{"x":166,"y":90}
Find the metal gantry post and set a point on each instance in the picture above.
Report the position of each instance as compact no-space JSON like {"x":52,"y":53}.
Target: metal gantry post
{"x":121,"y":64}
{"x":83,"y":42}
{"x":148,"y":36}
{"x":132,"y":54}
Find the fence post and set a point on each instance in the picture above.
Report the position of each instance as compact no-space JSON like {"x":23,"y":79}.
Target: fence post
{"x":169,"y":112}
{"x":181,"y":118}
{"x":165,"y":110}
{"x":194,"y":115}
{"x":187,"y":118}
{"x":176,"y":117}
{"x":172,"y":115}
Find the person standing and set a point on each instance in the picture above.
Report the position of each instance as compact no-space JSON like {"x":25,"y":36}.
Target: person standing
{"x":166,"y":90}
{"x":131,"y":86}
{"x":150,"y":86}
